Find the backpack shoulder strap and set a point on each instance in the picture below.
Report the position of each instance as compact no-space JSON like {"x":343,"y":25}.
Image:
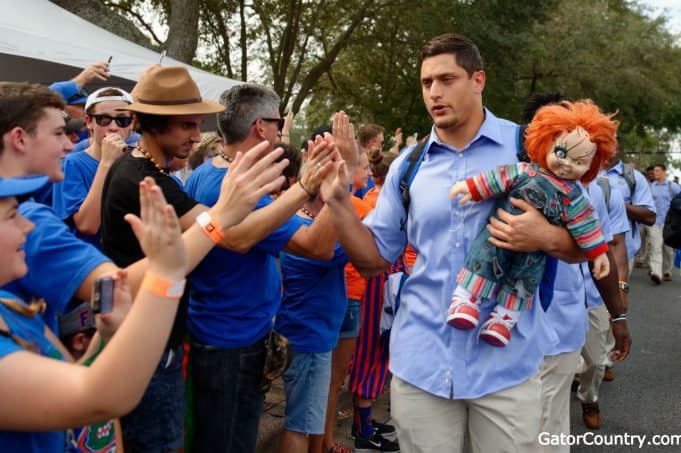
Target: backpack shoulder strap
{"x":521,"y":152}
{"x":629,"y":177}
{"x":413,"y":163}
{"x":604,"y":184}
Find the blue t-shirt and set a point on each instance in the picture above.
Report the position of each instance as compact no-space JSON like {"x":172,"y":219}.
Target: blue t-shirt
{"x":31,"y":330}
{"x":69,"y":194}
{"x":58,"y":262}
{"x":314,"y":302}
{"x":234,"y":296}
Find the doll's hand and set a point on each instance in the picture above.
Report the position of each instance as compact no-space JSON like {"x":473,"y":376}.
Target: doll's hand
{"x":601,"y":267}
{"x":460,"y":188}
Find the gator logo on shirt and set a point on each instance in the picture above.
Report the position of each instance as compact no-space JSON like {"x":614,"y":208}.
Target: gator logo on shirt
{"x":95,"y":438}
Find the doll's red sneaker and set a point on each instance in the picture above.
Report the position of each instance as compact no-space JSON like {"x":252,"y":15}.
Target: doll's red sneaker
{"x":497,"y":329}
{"x":463,"y":314}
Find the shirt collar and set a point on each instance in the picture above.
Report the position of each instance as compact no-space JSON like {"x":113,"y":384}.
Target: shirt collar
{"x":489,"y":129}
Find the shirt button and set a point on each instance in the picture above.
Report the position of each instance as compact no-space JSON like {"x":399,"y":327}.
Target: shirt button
{"x":458,"y":244}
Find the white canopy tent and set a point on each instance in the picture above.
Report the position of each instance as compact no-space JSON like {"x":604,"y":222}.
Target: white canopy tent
{"x":43,"y":43}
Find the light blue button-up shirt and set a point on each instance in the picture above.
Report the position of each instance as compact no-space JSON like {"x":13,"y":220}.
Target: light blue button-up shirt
{"x":618,"y":224}
{"x":424,"y":350}
{"x":567,"y":313}
{"x":663,"y":192}
{"x":641,"y":197}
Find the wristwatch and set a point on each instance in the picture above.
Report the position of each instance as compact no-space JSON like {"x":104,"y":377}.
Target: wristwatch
{"x":624,"y":286}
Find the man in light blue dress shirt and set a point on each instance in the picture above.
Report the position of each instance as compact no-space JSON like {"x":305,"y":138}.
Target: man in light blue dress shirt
{"x":446,"y":382}
{"x":661,"y":256}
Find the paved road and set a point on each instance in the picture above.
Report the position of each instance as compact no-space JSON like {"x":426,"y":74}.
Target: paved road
{"x":644,"y":399}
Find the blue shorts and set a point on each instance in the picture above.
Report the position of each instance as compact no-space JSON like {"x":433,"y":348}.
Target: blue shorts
{"x":350,"y":326}
{"x":156,"y":424}
{"x":306,"y":383}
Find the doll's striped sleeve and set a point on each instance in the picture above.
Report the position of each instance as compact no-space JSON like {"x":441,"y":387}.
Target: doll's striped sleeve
{"x":585,"y":228}
{"x":495,"y":182}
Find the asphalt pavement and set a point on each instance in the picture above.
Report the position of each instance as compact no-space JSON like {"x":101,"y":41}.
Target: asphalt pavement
{"x":643,"y":400}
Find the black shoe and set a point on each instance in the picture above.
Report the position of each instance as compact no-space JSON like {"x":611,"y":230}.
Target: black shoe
{"x":655,"y":279}
{"x":385,"y":430}
{"x":375,"y":443}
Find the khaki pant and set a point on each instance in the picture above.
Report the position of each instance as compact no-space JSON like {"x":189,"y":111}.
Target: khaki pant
{"x":556,"y":374}
{"x":594,"y":352}
{"x":505,"y":421}
{"x":661,"y":256}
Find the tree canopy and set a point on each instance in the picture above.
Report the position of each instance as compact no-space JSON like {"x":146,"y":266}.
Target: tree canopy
{"x":362,"y":55}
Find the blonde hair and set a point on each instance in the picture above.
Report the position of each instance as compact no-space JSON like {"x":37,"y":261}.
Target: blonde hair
{"x":37,"y":306}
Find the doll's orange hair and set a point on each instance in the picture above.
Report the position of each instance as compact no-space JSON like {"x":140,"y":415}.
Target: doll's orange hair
{"x":552,"y":120}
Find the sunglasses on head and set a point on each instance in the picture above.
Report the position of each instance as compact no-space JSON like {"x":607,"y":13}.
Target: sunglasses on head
{"x":279,"y":121}
{"x":105,"y":120}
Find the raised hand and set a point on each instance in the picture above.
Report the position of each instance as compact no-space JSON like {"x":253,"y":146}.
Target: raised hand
{"x":460,"y":188}
{"x":336,"y":183}
{"x":321,"y":157}
{"x":158,"y":232}
{"x":344,"y":136}
{"x":93,"y":71}
{"x":251,"y":176}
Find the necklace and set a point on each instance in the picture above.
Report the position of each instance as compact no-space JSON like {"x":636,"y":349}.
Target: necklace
{"x":308,"y":213}
{"x":151,"y":159}
{"x":229,"y":159}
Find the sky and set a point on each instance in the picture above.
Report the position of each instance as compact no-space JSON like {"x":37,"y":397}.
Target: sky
{"x":668,"y":8}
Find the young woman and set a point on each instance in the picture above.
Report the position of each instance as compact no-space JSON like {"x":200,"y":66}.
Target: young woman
{"x":41,"y":393}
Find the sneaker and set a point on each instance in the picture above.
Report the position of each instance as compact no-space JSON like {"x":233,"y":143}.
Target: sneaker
{"x":655,"y":278}
{"x":667,"y":277}
{"x":609,"y":374}
{"x":385,"y":430}
{"x":591,"y":415}
{"x":339,"y":448}
{"x":497,"y":330}
{"x":463,"y":314}
{"x":375,"y":443}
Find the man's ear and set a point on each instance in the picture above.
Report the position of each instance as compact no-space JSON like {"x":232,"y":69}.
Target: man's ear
{"x":479,"y":78}
{"x":16,"y":139}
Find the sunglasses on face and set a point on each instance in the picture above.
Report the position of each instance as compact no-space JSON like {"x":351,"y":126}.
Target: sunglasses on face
{"x":279,"y":121}
{"x":105,"y":120}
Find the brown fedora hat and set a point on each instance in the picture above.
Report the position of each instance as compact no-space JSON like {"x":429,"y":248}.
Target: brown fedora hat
{"x":170,"y":90}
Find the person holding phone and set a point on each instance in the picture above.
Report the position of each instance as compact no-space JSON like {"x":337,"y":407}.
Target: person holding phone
{"x":42,"y":395}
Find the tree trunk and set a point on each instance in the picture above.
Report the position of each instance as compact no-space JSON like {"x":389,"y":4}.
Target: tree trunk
{"x":183,"y":30}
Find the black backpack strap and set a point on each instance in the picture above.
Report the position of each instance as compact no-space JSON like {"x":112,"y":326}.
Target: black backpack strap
{"x":521,"y":152}
{"x":413,"y":163}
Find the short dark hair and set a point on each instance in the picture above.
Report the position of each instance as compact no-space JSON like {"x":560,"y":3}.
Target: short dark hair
{"x":464,"y":50}
{"x":539,"y":100}
{"x":22,"y":104}
{"x":152,"y":123}
{"x":662,"y":166}
{"x":367,"y":133}
{"x":650,"y":168}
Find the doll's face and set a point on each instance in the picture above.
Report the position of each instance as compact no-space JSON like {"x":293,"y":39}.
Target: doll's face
{"x":571,"y":155}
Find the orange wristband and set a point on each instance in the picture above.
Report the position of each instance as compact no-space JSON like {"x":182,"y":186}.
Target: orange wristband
{"x":163,"y":288}
{"x":211,"y":227}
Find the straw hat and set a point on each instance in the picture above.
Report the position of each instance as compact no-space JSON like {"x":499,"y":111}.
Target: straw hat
{"x":170,"y":90}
